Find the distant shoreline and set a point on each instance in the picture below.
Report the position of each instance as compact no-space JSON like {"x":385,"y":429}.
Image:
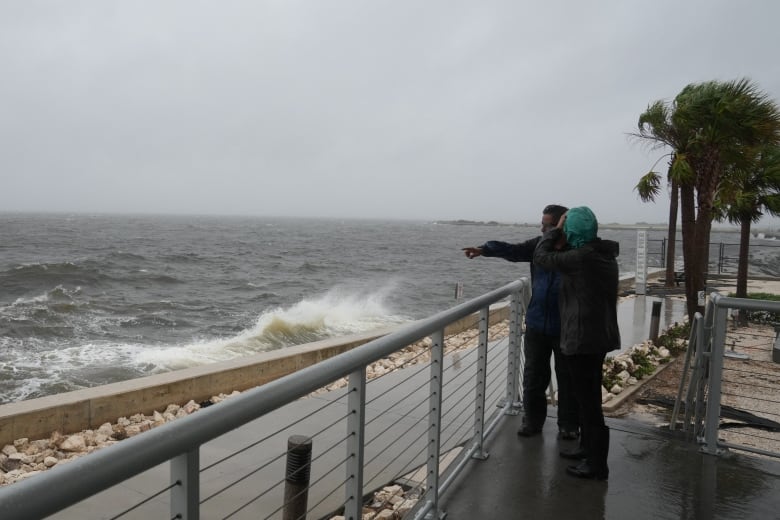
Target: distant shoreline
{"x":662,"y":226}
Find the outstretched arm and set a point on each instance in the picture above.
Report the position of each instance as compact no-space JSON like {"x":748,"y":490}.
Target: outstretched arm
{"x":522,"y":252}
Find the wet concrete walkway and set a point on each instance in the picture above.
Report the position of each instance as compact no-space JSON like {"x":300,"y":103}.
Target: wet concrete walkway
{"x":653,"y":475}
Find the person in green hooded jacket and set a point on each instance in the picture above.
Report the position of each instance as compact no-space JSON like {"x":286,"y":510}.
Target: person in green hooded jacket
{"x":589,"y":328}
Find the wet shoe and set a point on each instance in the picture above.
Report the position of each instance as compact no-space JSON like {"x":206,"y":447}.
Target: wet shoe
{"x":583,"y":470}
{"x":573,"y":454}
{"x":528,"y":431}
{"x":568,"y":435}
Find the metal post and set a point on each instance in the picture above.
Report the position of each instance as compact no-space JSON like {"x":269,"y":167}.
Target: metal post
{"x":707,"y":491}
{"x":185,"y":495}
{"x":776,"y":350}
{"x":712,"y":420}
{"x":434,"y":424}
{"x":663,"y":251}
{"x":640,"y":277}
{"x":479,"y":401}
{"x":515,"y":333}
{"x":655,"y":321}
{"x":701,"y":361}
{"x":296,"y":478}
{"x":692,"y":339}
{"x":517,"y":404}
{"x":356,"y":422}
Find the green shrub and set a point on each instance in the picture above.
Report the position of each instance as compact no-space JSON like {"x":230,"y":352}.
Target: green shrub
{"x":609,"y":375}
{"x":643,"y":364}
{"x":670,"y":337}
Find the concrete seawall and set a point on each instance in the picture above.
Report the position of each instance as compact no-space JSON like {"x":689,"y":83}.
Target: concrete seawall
{"x":79,"y":410}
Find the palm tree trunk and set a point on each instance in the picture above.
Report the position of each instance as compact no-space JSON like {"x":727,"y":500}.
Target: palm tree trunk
{"x":701,"y":257}
{"x":671,"y":236}
{"x":707,"y":182}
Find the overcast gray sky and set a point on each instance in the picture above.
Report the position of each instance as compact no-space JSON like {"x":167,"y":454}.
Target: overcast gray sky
{"x":441,"y":109}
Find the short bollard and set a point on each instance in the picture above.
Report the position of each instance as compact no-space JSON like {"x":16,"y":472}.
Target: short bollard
{"x":655,"y":321}
{"x":776,"y":350}
{"x":296,"y":479}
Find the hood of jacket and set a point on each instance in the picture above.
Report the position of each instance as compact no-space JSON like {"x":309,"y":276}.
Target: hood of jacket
{"x":580,"y":226}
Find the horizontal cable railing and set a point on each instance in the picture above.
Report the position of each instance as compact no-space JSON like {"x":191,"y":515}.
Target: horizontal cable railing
{"x":394,"y":424}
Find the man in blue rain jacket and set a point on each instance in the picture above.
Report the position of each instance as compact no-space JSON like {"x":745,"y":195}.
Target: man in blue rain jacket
{"x":542,"y":334}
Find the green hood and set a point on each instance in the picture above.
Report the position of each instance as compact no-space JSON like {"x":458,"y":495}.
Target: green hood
{"x":580,"y":226}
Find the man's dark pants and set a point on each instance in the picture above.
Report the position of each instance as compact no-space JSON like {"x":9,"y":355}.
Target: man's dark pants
{"x":536,"y":378}
{"x":586,"y":376}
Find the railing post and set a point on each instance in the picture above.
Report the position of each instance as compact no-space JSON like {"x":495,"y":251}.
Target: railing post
{"x":356,"y":422}
{"x":479,"y":401}
{"x":693,"y":339}
{"x":712,"y":419}
{"x":434,"y":424}
{"x":185,"y":495}
{"x":513,"y":354}
{"x":702,"y":362}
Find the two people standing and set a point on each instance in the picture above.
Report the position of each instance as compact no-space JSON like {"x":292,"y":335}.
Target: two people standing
{"x":587,"y":305}
{"x":543,"y":328}
{"x":589,"y":328}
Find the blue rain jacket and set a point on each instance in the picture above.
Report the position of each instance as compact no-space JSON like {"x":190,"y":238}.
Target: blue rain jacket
{"x":543,"y":315}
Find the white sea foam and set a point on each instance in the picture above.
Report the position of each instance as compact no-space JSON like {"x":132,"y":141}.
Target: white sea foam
{"x":88,"y":355}
{"x":35,"y":299}
{"x":338,"y":312}
{"x":44,"y":368}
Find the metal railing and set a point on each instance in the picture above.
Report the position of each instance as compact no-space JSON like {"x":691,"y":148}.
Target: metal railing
{"x":723,"y":256}
{"x":733,"y":399}
{"x":375,"y":430}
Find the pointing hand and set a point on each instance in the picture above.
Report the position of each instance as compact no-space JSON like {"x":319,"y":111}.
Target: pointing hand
{"x":472,"y":252}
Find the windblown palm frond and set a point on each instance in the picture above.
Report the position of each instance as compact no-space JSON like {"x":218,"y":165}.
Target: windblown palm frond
{"x":649,"y":186}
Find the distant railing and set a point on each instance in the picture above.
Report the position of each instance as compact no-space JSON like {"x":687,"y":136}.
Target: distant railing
{"x":733,"y":397}
{"x":724,"y":256}
{"x":367,"y":434}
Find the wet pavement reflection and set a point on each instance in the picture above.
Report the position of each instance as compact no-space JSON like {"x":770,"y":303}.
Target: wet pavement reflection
{"x":653,"y":474}
{"x":634,"y":317}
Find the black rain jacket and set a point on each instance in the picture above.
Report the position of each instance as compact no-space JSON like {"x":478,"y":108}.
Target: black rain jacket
{"x":588,"y":293}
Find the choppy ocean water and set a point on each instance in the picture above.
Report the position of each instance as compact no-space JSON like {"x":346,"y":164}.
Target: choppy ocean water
{"x":93,"y":299}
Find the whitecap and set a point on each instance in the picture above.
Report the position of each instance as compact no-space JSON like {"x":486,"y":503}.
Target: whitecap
{"x":339,"y":311}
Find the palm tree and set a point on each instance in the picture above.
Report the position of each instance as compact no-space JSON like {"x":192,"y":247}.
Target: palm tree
{"x":708,"y":126}
{"x":657,"y":128}
{"x":748,"y":194}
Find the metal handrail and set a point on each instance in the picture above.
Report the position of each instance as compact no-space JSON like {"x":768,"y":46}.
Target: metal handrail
{"x":692,"y":342}
{"x":179,"y":441}
{"x":720,"y":305}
